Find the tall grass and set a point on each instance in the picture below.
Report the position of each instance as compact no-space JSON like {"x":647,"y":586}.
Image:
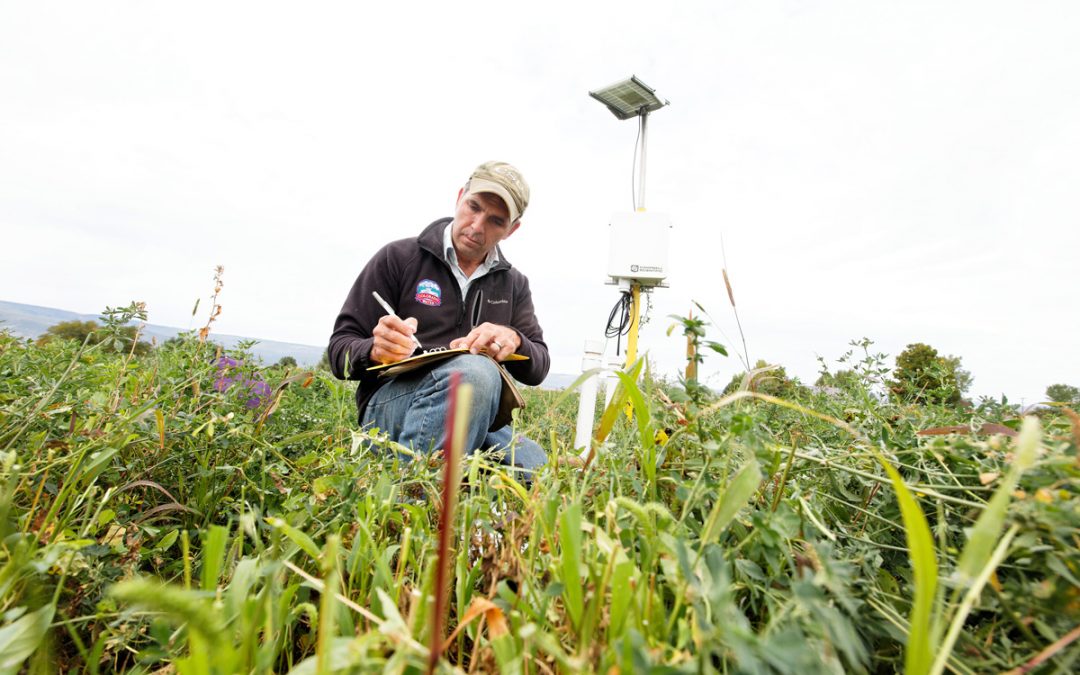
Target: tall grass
{"x":151,"y":518}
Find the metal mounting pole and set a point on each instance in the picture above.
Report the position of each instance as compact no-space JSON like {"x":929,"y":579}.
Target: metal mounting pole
{"x":641,"y":164}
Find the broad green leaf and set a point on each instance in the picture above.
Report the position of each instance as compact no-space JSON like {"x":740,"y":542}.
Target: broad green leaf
{"x":98,"y":462}
{"x":738,"y":493}
{"x":168,"y":540}
{"x":21,"y":637}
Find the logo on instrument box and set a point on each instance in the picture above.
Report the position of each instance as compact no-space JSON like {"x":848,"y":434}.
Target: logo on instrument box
{"x":428,"y":293}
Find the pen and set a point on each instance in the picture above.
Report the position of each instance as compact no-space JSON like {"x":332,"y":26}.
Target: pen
{"x":391,"y":312}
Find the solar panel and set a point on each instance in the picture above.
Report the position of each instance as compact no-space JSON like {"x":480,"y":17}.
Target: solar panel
{"x":628,"y":98}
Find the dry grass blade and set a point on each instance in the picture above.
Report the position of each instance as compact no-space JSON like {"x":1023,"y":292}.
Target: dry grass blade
{"x":1047,"y":653}
{"x":727,"y":284}
{"x":1074,"y":418}
{"x":735,"y":311}
{"x":988,"y":429}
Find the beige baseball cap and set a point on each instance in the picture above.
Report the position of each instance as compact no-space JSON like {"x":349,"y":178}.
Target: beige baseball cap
{"x":505,"y":181}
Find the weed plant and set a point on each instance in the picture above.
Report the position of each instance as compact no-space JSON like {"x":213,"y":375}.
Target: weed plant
{"x":152,"y":518}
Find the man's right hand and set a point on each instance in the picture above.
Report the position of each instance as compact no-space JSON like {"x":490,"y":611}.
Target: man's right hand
{"x":393,"y":339}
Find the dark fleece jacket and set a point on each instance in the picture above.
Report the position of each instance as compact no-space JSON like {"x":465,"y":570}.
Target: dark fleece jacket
{"x":414,"y":276}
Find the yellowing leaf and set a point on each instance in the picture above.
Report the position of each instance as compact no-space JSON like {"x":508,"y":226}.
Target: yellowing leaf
{"x":494,"y":616}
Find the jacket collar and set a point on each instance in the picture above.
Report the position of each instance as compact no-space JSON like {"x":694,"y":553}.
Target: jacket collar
{"x":431,"y":240}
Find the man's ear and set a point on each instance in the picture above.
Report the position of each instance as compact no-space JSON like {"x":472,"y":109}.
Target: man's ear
{"x":513,"y":228}
{"x":460,"y":192}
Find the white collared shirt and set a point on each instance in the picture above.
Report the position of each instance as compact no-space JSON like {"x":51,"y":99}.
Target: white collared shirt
{"x":451,"y":257}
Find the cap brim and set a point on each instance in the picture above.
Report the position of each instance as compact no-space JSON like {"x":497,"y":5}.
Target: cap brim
{"x":480,"y":185}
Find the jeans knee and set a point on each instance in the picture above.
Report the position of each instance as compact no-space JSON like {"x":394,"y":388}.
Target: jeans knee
{"x":482,"y":373}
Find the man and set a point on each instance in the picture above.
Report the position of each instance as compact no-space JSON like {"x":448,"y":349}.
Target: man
{"x":458,"y":290}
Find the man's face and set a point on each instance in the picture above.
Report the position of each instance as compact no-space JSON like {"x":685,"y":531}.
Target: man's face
{"x":480,"y":222}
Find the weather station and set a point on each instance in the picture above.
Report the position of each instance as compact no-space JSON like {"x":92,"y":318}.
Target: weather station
{"x":637,"y":253}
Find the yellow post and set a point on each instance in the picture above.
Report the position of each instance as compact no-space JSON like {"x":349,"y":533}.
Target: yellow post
{"x":631,"y":337}
{"x":635,"y":316}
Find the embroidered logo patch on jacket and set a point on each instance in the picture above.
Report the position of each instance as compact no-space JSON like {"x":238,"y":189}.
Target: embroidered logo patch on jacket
{"x":428,"y":293}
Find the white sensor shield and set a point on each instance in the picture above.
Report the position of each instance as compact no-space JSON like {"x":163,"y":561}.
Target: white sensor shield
{"x":638,"y":249}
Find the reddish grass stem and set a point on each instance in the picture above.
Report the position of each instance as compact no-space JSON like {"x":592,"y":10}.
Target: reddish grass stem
{"x":446,"y":525}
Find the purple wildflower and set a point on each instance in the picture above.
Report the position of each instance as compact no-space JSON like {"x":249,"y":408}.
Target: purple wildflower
{"x":254,"y":387}
{"x":259,"y":390}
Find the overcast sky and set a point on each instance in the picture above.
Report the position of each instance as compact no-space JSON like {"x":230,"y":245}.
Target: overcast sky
{"x":902,"y":171}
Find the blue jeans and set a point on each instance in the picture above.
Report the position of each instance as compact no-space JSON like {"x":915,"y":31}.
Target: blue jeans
{"x":412,"y":409}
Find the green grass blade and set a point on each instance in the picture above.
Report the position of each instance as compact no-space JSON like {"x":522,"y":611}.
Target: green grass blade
{"x":296,"y":536}
{"x":213,"y":557}
{"x":738,"y":493}
{"x":987,"y":530}
{"x":641,"y":411}
{"x":570,"y":561}
{"x":621,"y":593}
{"x":618,"y":400}
{"x":919,"y":653}
{"x":327,"y":609}
{"x":995,"y":558}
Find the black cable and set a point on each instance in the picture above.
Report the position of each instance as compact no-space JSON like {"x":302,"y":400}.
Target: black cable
{"x":619,"y":324}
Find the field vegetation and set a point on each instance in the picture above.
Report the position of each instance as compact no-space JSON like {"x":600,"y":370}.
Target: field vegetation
{"x":191,"y":511}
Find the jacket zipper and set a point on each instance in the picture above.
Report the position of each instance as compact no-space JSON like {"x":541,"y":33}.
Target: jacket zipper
{"x":478,"y":306}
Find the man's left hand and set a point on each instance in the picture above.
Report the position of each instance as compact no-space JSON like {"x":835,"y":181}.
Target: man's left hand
{"x":500,"y":341}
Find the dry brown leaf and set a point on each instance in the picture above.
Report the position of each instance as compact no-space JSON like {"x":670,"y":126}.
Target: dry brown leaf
{"x":494,"y":616}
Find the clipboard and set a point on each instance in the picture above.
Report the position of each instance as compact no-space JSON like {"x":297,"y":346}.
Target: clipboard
{"x":509,"y":397}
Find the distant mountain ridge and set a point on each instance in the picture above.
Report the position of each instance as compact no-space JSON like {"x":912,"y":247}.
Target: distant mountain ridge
{"x":30,"y":321}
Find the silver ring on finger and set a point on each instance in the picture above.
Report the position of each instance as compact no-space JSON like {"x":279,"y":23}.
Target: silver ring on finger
{"x":498,"y":347}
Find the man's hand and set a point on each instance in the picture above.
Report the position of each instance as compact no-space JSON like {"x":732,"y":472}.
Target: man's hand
{"x":393,"y":339}
{"x":500,"y":341}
